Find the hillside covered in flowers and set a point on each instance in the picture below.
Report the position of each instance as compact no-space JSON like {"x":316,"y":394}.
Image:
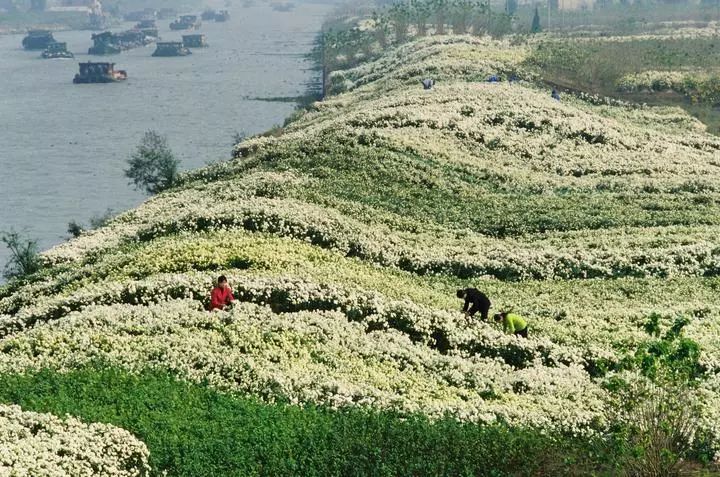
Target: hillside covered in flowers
{"x":344,"y":237}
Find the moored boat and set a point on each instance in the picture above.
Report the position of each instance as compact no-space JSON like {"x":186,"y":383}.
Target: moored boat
{"x":222,"y":16}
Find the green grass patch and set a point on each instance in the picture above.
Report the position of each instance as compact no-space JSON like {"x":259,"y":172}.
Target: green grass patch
{"x":195,"y":431}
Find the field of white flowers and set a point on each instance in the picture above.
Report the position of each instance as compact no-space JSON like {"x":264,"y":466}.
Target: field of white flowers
{"x":37,"y":444}
{"x":346,"y":236}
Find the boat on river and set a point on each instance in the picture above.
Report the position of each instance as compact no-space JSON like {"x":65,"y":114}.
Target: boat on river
{"x":171,"y":48}
{"x":186,"y":22}
{"x":222,"y":16}
{"x":208,"y":15}
{"x":91,"y":72}
{"x":283,"y":6}
{"x":137,"y":16}
{"x":166,"y":13}
{"x":104,"y":44}
{"x":147,"y":24}
{"x":130,"y":39}
{"x":38,"y":40}
{"x":108,"y":43}
{"x":57,"y":51}
{"x":195,"y":41}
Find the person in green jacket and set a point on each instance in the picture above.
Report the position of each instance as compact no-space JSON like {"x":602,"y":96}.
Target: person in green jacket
{"x":513,"y":324}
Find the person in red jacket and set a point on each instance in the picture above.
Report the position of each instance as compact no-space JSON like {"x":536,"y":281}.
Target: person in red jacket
{"x":222,"y":295}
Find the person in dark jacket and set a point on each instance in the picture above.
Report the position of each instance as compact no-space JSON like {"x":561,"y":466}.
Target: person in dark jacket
{"x":555,"y":94}
{"x":475,"y":301}
{"x":428,"y":83}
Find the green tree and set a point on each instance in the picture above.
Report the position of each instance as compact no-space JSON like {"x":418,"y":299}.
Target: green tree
{"x":153,"y":166}
{"x":421,"y":12}
{"x":536,"y":28}
{"x":24,"y":255}
{"x":462,"y":13}
{"x":440,"y":9}
{"x":400,"y":18}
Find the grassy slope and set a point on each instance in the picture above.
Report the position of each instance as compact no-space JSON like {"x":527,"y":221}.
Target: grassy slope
{"x":360,"y":220}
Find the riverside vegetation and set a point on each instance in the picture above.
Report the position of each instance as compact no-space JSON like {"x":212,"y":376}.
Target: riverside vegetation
{"x":344,"y":236}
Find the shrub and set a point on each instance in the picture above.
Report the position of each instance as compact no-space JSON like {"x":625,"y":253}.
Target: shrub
{"x":75,"y":228}
{"x":24,"y":259}
{"x":153,"y":167}
{"x":656,"y":411}
{"x":660,"y":425}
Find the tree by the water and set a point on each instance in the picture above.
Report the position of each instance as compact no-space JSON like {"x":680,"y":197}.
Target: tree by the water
{"x":153,"y":166}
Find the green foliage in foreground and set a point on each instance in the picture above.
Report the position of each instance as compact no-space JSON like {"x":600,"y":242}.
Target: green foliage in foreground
{"x":195,"y":431}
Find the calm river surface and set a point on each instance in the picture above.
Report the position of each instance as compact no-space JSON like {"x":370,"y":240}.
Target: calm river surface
{"x":63,"y":147}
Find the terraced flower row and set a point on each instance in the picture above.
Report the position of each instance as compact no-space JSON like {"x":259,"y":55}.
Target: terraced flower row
{"x":615,"y":253}
{"x":307,"y":356}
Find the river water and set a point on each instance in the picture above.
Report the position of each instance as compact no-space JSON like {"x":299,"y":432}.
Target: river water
{"x":63,"y":147}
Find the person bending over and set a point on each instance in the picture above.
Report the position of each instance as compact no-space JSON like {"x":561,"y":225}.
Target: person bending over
{"x":428,"y":83}
{"x":222,"y":295}
{"x":513,"y":324}
{"x":478,"y":300}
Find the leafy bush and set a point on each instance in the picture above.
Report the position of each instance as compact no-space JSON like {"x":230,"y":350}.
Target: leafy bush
{"x":656,"y":412}
{"x":24,"y":258}
{"x":153,"y":167}
{"x":660,"y":427}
